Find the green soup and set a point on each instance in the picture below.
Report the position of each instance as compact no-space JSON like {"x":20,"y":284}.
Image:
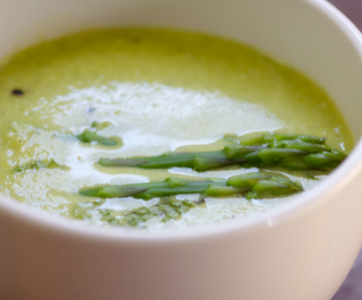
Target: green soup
{"x":156,"y":91}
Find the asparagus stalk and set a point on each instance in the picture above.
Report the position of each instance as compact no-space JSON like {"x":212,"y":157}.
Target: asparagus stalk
{"x":293,"y":152}
{"x":91,"y":136}
{"x":198,"y":161}
{"x":274,"y":138}
{"x":252,"y":185}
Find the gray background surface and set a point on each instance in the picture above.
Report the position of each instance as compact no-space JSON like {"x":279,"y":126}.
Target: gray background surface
{"x":352,"y":286}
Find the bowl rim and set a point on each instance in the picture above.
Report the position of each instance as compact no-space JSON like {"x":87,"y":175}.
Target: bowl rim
{"x":300,"y":205}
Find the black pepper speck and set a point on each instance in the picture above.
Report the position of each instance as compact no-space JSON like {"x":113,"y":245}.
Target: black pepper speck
{"x":17,"y":92}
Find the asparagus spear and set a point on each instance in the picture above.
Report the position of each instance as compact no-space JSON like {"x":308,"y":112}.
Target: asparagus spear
{"x":89,"y":136}
{"x":252,"y":185}
{"x":273,"y":138}
{"x":198,"y":161}
{"x":261,"y":185}
{"x":257,"y":185}
{"x":294,"y":152}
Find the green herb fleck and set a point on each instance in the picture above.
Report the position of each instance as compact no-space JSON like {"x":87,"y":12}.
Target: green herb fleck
{"x":38,"y":164}
{"x":167,"y":209}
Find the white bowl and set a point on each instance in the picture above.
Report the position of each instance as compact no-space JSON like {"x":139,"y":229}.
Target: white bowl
{"x":301,"y":250}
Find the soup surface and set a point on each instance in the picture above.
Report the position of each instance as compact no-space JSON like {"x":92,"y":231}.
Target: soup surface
{"x":155,"y":91}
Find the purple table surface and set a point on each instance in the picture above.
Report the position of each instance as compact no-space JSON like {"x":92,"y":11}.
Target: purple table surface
{"x":351,"y":289}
